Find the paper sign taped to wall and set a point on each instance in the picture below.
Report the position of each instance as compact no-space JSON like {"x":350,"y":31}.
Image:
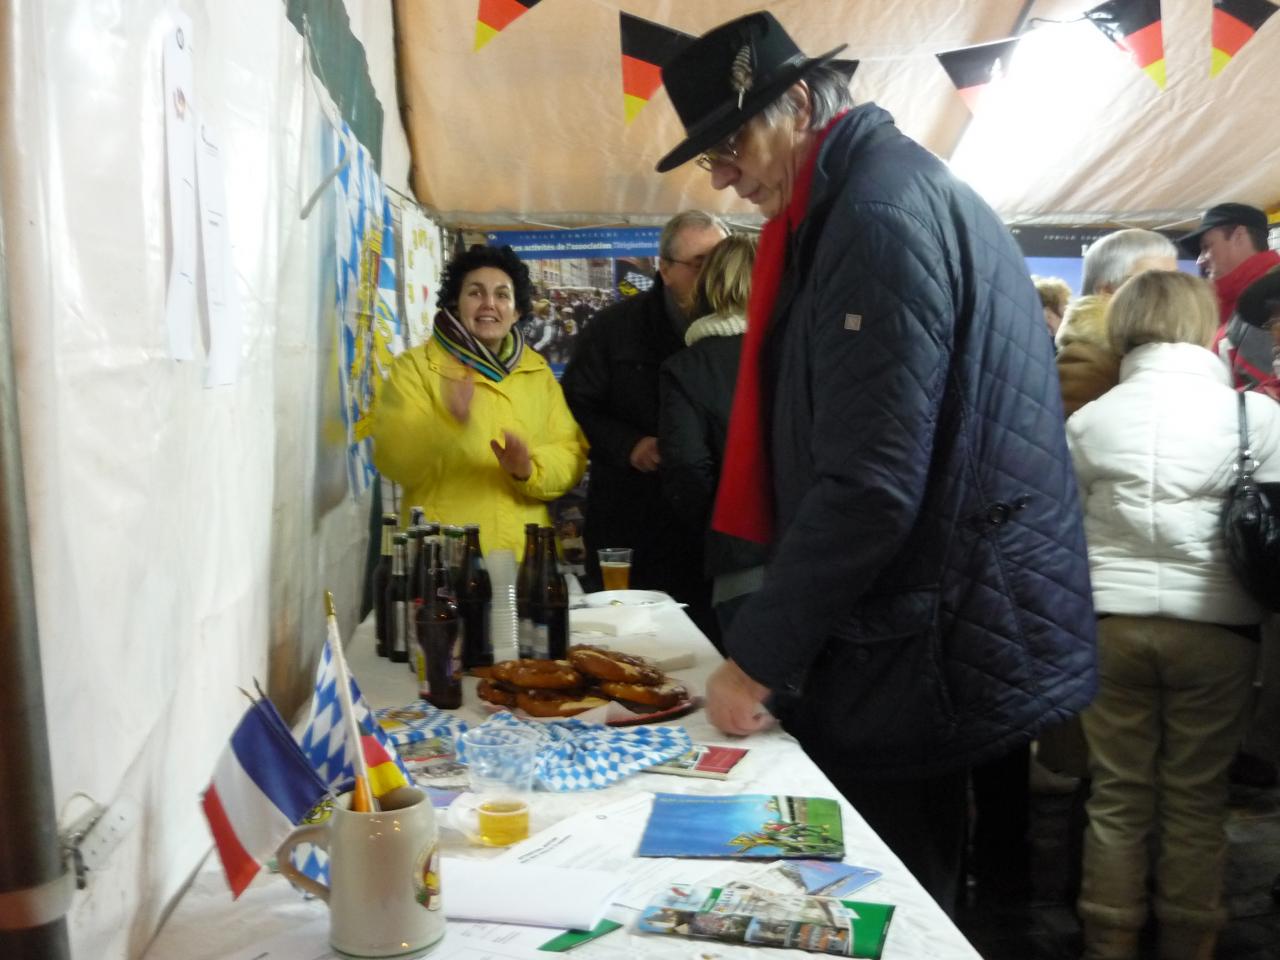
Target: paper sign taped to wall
{"x":179,"y":131}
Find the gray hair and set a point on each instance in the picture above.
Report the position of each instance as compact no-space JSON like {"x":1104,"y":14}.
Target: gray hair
{"x":1109,"y":261}
{"x":684,"y":220}
{"x":828,"y":95}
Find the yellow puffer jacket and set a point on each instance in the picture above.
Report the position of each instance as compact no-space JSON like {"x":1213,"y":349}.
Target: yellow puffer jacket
{"x":448,"y":468}
{"x":1086,"y":366}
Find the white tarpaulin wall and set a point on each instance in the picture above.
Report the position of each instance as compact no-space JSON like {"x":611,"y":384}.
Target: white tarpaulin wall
{"x":531,"y":126}
{"x":181,"y":536}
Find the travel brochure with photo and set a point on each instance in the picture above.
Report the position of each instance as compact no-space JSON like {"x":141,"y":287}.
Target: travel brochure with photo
{"x":747,"y":826}
{"x":744,"y":914}
{"x":703,"y":760}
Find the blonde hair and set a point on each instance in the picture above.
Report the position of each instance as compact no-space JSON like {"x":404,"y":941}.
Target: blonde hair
{"x":724,"y":283}
{"x":1054,"y":293}
{"x":1161,"y":307}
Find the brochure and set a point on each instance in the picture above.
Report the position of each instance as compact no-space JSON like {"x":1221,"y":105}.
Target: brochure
{"x":824,"y":878}
{"x":745,"y":914}
{"x":746,"y":826}
{"x":703,"y":760}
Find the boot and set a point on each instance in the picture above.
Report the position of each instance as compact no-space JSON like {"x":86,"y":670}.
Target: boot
{"x":1182,"y":942}
{"x":1109,"y":943}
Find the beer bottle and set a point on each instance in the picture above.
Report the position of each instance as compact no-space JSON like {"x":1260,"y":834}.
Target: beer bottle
{"x":398,"y":601}
{"x":417,"y":516}
{"x":440,"y":635}
{"x":381,"y":577}
{"x":415,"y":560}
{"x":453,"y":546}
{"x":421,"y":589}
{"x":474,"y":593}
{"x":525,"y":579}
{"x":550,"y":604}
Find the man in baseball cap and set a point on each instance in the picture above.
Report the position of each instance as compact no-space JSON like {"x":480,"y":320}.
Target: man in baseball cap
{"x":1231,"y":247}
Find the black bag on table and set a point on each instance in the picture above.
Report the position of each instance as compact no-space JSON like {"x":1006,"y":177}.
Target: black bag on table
{"x":1251,"y":526}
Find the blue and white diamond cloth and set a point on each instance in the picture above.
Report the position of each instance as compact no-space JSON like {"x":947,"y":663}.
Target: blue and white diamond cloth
{"x":419,"y":721}
{"x":589,"y":756}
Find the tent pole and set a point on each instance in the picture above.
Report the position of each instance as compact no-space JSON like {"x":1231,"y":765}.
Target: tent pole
{"x":33,"y":896}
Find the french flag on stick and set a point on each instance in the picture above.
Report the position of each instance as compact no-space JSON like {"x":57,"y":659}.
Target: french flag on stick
{"x":262,"y":787}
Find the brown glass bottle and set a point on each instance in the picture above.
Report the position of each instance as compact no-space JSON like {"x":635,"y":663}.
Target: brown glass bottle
{"x":440,"y":636}
{"x":474,"y":593}
{"x":398,"y":601}
{"x":525,"y":580}
{"x":550,"y":602}
{"x":378,"y":584}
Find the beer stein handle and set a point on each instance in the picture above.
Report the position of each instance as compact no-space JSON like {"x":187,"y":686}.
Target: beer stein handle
{"x":317,"y":833}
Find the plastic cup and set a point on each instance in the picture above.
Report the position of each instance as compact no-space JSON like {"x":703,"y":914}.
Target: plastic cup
{"x":615,"y":567}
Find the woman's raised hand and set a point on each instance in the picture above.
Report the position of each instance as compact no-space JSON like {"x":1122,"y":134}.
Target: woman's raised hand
{"x":458,"y":394}
{"x":514,"y":457}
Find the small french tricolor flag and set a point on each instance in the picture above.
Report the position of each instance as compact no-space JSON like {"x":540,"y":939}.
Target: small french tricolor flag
{"x":263,"y":786}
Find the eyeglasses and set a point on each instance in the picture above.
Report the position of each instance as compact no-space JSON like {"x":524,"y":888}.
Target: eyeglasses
{"x":724,"y":152}
{"x":694,"y":264}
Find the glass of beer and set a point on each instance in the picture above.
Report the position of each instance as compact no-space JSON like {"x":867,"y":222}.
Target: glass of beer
{"x":500,"y":766}
{"x":615,"y":567}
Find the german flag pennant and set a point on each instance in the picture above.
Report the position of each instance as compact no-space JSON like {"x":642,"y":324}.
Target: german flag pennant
{"x":973,"y":69}
{"x":646,"y":46}
{"x":1135,"y":27}
{"x":494,"y":16}
{"x":1234,"y":22}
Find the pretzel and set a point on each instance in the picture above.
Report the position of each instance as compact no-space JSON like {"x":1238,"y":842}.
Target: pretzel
{"x":607,"y":665}
{"x":494,"y":692}
{"x":556,"y":703}
{"x":537,"y":674}
{"x":660,"y":697}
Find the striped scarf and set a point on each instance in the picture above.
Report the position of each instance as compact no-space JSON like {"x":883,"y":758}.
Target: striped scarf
{"x":458,"y":341}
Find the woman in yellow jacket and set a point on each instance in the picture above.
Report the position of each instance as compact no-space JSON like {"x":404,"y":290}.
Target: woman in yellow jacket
{"x":472,"y":424}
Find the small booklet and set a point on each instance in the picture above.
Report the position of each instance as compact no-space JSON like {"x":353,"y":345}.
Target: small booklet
{"x":702,"y":760}
{"x":746,"y":826}
{"x":742,"y":913}
{"x":823,"y":878}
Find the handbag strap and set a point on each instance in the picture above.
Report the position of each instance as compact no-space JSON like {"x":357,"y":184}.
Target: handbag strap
{"x":1245,"y":464}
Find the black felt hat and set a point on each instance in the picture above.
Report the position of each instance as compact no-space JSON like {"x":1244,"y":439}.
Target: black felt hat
{"x":1223,"y":215}
{"x":728,"y":75}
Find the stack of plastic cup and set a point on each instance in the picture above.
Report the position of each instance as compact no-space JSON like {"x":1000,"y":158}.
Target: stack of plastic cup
{"x":504,"y":621}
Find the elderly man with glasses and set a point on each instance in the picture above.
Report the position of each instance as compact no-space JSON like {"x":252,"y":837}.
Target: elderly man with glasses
{"x":897,"y":437}
{"x":611,"y":384}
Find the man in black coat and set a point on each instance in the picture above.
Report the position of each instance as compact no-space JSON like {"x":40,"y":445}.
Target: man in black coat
{"x":897,"y":436}
{"x":612,"y":388}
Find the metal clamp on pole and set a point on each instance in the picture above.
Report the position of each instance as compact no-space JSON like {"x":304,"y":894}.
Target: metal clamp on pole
{"x":36,"y":906}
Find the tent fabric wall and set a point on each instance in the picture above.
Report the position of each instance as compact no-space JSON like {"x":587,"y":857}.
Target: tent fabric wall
{"x":531,"y":128}
{"x":181,"y":536}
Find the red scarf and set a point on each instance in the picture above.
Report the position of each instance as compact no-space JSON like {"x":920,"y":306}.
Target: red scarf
{"x":744,"y":499}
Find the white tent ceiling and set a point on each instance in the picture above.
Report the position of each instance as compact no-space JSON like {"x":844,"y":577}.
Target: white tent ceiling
{"x":531,"y":127}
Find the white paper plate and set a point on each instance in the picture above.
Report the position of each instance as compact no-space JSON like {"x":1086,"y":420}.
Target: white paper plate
{"x":626,"y":598}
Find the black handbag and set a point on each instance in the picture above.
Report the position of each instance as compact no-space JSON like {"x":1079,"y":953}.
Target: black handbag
{"x":1251,"y":525}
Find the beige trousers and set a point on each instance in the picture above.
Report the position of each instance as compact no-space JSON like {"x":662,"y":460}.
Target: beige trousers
{"x":1169,"y":714}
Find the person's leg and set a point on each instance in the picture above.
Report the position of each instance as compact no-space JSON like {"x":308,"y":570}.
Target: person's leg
{"x":1207,"y":673}
{"x":923,"y":822}
{"x":1001,"y":821}
{"x":1122,"y":729}
{"x":1255,"y":765}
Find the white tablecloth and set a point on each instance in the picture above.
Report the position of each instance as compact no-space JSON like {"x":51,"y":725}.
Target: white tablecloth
{"x":206,"y":924}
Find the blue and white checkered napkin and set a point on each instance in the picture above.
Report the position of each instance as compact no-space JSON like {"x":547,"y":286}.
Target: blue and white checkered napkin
{"x":419,"y":721}
{"x":589,"y":756}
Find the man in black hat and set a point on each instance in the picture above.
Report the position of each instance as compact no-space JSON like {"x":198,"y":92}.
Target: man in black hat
{"x":1230,"y":245}
{"x":897,"y":436}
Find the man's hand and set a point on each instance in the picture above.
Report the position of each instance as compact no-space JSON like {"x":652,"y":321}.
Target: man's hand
{"x":735,"y":702}
{"x":514,"y":457}
{"x":458,"y":394}
{"x":644,"y":455}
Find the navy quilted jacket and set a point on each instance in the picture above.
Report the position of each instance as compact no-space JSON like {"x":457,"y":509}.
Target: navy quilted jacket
{"x":928,"y":605}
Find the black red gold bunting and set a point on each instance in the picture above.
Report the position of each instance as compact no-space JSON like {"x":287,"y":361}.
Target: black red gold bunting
{"x":971,"y":69}
{"x":1135,"y":27}
{"x":646,"y":46}
{"x":1234,"y":24}
{"x":494,"y":16}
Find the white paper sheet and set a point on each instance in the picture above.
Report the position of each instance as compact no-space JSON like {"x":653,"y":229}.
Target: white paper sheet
{"x":606,"y":839}
{"x":462,"y":941}
{"x":180,"y":138}
{"x":221,"y":302}
{"x":537,"y":894}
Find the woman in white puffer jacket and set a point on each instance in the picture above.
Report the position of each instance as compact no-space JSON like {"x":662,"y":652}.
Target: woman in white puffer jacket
{"x":1177,"y":635}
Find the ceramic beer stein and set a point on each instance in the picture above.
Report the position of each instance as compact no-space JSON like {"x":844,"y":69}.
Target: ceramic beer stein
{"x":384,"y":875}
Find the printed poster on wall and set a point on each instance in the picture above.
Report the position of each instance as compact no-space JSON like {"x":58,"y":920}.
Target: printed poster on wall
{"x":422,"y":262}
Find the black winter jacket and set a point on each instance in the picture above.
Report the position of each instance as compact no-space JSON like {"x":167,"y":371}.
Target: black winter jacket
{"x":696,"y":387}
{"x":611,"y":385}
{"x":928,"y":604}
